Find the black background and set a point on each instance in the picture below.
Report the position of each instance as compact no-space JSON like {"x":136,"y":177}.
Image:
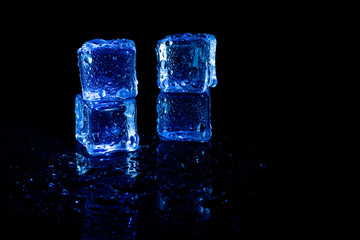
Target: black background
{"x":265,"y":64}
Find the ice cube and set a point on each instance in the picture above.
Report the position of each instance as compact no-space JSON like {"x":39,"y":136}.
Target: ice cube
{"x":106,"y":127}
{"x":186,"y":63}
{"x":107,"y":69}
{"x":184,"y":116}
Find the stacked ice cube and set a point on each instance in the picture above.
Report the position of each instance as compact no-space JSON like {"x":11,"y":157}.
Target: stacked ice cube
{"x":106,"y":109}
{"x":186,"y":70}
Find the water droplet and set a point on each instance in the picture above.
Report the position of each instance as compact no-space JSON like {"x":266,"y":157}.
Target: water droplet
{"x":65,"y":192}
{"x":195,"y":83}
{"x":198,"y":129}
{"x":103,"y":93}
{"x":88,"y":59}
{"x":163,"y":64}
{"x":123,"y":94}
{"x":184,"y":83}
{"x":166,"y":83}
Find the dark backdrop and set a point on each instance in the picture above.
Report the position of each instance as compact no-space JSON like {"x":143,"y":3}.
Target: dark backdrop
{"x":264,"y":62}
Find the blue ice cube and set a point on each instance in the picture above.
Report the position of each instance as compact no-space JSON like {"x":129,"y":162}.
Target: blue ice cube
{"x":186,"y":63}
{"x":107,"y":69}
{"x":184,"y":116}
{"x":106,"y":127}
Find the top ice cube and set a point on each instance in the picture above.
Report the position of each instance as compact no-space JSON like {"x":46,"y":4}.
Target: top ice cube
{"x":107,"y":69}
{"x":186,"y":63}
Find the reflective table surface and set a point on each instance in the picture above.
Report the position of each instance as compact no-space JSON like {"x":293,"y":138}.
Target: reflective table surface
{"x":164,"y":190}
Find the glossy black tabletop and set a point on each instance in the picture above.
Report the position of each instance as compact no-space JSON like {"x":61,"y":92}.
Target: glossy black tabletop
{"x":219,"y":189}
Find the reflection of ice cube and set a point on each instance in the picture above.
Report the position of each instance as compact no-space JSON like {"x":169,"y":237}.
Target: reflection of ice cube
{"x":106,"y":127}
{"x":184,"y":116}
{"x":186,"y":63}
{"x":109,"y":202}
{"x":174,"y":151}
{"x":123,"y":161}
{"x":107,"y":69}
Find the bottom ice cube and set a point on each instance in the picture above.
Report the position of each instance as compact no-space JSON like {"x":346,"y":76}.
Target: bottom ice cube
{"x":106,"y":127}
{"x":184,"y":116}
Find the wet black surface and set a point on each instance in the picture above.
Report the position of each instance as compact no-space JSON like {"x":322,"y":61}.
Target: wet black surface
{"x":164,"y":190}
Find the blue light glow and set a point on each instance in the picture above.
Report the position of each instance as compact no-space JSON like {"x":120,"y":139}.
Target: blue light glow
{"x":107,"y":69}
{"x":106,"y":109}
{"x":106,"y":127}
{"x":186,"y":63}
{"x":184,"y":116}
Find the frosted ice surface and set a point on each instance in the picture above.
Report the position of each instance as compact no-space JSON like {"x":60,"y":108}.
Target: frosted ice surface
{"x":107,"y":69}
{"x":184,"y":116}
{"x":186,"y":63}
{"x":106,"y":127}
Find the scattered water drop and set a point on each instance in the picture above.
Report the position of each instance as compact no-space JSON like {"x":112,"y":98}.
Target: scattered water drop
{"x":163,"y":64}
{"x":88,"y":59}
{"x":64,"y":192}
{"x":123,"y":94}
{"x":103,"y":93}
{"x":184,"y":83}
{"x":195,"y":83}
{"x":198,"y":129}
